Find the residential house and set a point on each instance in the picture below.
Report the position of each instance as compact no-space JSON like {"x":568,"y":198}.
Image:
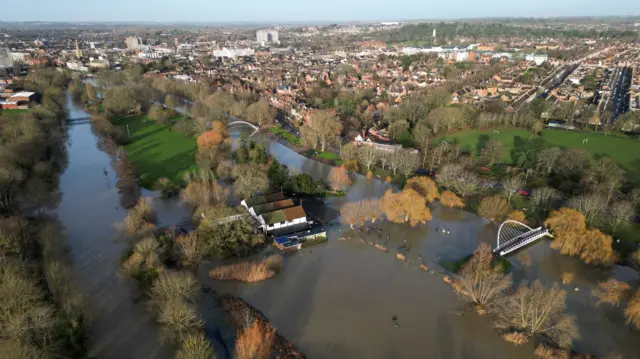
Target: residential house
{"x":282,"y":218}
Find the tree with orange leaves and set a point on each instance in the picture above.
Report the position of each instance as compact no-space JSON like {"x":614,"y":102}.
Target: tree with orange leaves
{"x":611,"y":291}
{"x":425,"y":186}
{"x":573,"y":238}
{"x":406,"y":206}
{"x":350,"y":165}
{"x":632,"y":313}
{"x":209,"y":139}
{"x":517,"y":215}
{"x":339,"y":179}
{"x":449,"y":199}
{"x":255,"y":342}
{"x":416,"y":211}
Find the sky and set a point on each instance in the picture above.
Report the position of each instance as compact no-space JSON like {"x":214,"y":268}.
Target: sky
{"x":305,"y":10}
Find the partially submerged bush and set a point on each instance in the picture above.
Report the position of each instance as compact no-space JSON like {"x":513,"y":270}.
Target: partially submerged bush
{"x":567,"y":277}
{"x":255,"y":341}
{"x":516,"y":338}
{"x":249,"y":271}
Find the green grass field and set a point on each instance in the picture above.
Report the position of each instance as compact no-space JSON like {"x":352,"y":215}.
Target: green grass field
{"x":156,"y":151}
{"x":624,"y":150}
{"x":286,"y":135}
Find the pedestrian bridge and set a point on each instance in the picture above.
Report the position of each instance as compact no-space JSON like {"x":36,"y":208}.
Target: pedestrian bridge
{"x":244,"y":123}
{"x":514,"y":235}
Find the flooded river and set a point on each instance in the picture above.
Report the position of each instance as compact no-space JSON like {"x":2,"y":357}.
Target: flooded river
{"x":334,"y":300}
{"x":90,"y":206}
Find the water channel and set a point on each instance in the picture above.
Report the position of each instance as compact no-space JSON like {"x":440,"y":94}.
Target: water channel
{"x":333,"y":300}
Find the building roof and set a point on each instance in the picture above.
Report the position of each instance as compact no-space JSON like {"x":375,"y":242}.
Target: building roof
{"x":253,"y":201}
{"x":23,"y":94}
{"x":288,"y":214}
{"x":272,"y":206}
{"x":298,"y":230}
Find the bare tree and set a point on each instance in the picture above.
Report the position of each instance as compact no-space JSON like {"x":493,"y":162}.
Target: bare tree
{"x":326,"y":126}
{"x":394,"y":160}
{"x":385,"y":157}
{"x":422,"y":135}
{"x":543,"y":196}
{"x":408,"y":162}
{"x":479,"y":282}
{"x":367,"y":156}
{"x":449,"y":174}
{"x":533,"y":310}
{"x":548,"y":158}
{"x":590,"y":205}
{"x":467,"y":183}
{"x":619,"y":213}
{"x":492,"y":152}
{"x":512,"y":185}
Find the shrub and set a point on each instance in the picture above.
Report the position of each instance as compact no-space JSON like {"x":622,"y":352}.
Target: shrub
{"x":632,"y":313}
{"x":190,"y":250}
{"x":516,"y":338}
{"x":567,"y":277}
{"x":255,"y":342}
{"x":179,"y":320}
{"x":173,"y":286}
{"x":546,"y":352}
{"x":249,"y":271}
{"x":195,"y":346}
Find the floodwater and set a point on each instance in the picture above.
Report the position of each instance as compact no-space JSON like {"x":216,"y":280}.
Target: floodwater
{"x":120,"y":326}
{"x":337,"y":300}
{"x":334,"y":300}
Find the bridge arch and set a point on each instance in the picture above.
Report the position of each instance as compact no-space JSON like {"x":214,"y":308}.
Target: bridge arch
{"x":237,"y":122}
{"x":509,"y":230}
{"x":513,"y":235}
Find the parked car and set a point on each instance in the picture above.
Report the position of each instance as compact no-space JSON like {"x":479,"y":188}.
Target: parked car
{"x":524,"y":192}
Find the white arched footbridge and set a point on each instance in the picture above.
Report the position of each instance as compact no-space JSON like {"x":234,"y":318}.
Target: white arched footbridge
{"x":240,"y":122}
{"x":513,"y":235}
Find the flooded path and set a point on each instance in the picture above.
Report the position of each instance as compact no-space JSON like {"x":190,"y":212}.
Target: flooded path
{"x":120,"y":325}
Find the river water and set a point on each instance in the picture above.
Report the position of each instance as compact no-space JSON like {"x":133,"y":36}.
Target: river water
{"x":333,"y":300}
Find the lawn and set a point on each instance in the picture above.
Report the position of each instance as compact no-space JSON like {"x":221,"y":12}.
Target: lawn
{"x":157,"y":151}
{"x":288,"y":136}
{"x":624,"y":150}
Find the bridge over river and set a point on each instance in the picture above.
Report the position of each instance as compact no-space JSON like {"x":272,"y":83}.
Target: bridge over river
{"x":514,"y":235}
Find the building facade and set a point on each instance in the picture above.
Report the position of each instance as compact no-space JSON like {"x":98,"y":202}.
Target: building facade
{"x":267,"y":36}
{"x":133,"y":42}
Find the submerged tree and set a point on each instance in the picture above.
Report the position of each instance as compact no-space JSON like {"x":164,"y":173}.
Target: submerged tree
{"x":610,"y":291}
{"x":339,"y":179}
{"x":481,"y":283}
{"x":574,"y":239}
{"x":406,"y":206}
{"x":534,"y":310}
{"x":632,"y":313}
{"x":495,"y":208}
{"x":425,"y":186}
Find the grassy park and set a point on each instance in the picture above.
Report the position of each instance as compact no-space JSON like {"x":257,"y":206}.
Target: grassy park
{"x":157,"y":151}
{"x":624,"y":150}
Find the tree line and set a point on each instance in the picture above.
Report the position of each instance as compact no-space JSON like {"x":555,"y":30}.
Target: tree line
{"x":41,"y":306}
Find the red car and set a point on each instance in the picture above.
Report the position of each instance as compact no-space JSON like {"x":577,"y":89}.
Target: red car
{"x":524,"y":192}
